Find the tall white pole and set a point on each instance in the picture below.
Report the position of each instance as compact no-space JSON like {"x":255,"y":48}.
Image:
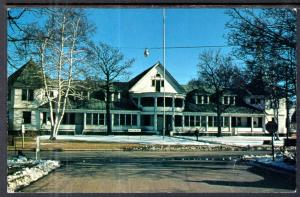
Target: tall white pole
{"x":164,"y":64}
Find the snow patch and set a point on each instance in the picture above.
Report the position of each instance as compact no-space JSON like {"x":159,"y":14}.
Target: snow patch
{"x":25,"y":175}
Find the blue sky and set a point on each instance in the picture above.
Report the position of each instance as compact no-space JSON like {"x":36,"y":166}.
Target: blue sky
{"x":132,"y":30}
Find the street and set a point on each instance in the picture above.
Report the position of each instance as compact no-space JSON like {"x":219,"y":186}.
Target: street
{"x":118,"y":171}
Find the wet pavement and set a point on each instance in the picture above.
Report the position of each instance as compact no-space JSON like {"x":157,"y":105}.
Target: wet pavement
{"x":147,"y":172}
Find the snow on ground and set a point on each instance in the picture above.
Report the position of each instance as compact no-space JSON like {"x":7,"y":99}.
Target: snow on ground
{"x":267,"y":160}
{"x":145,"y":139}
{"x":242,"y":141}
{"x":24,"y":175}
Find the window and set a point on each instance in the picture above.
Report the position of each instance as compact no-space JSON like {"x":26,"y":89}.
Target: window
{"x":162,"y":83}
{"x":248,"y":121}
{"x":146,"y":120}
{"x":95,"y":119}
{"x":88,"y":118}
{"x":203,"y":121}
{"x":226,"y":100}
{"x":210,"y":121}
{"x":27,"y":117}
{"x":44,"y":117}
{"x":255,"y":101}
{"x":157,"y":86}
{"x":116,"y":119}
{"x":101,"y":119}
{"x":232,"y":100}
{"x":147,"y":101}
{"x":122,"y":119}
{"x":178,"y":121}
{"x":169,"y":102}
{"x":27,"y":94}
{"x":229,"y":100}
{"x":205,"y":99}
{"x":153,"y":82}
{"x":192,"y":121}
{"x":198,"y":121}
{"x":260,"y":122}
{"x":236,"y":121}
{"x":200,"y":99}
{"x":160,"y":101}
{"x":128,"y":119}
{"x":226,"y":121}
{"x":134,"y":120}
{"x":186,"y":121}
{"x":215,"y":121}
{"x":178,"y":102}
{"x":69,"y":118}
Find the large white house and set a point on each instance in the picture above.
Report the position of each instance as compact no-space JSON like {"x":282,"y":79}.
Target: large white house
{"x":138,"y":104}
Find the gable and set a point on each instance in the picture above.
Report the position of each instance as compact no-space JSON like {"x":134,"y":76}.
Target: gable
{"x":144,"y":81}
{"x":29,"y":75}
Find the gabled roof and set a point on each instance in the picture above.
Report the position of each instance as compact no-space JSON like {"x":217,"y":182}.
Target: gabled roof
{"x":133,"y":81}
{"x":29,"y":75}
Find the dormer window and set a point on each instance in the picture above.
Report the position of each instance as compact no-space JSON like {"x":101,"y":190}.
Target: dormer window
{"x":203,"y":99}
{"x":157,"y":82}
{"x":255,"y":101}
{"x":27,"y":94}
{"x":229,"y":100}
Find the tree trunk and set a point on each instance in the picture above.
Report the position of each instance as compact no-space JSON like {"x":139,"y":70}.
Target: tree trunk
{"x":219,"y":125}
{"x":288,"y":127}
{"x":108,"y":115}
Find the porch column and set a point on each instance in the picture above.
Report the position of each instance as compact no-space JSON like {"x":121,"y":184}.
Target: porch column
{"x":155,"y":122}
{"x":173,"y":103}
{"x":196,"y":99}
{"x":206,"y":124}
{"x":139,"y":101}
{"x":138,"y":120}
{"x":229,"y":124}
{"x":112,"y":116}
{"x":173,"y":122}
{"x":182,"y":121}
{"x":173,"y":114}
{"x":264,"y":124}
{"x":155,"y":114}
{"x":251,"y":124}
{"x":84,"y":120}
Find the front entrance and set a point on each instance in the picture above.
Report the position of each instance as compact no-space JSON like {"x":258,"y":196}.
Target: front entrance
{"x":160,"y":124}
{"x":78,"y":123}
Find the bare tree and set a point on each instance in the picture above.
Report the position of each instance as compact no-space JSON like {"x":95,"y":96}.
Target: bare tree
{"x":60,"y":51}
{"x":109,"y":65}
{"x":266,"y":40}
{"x":19,"y":35}
{"x":219,"y":74}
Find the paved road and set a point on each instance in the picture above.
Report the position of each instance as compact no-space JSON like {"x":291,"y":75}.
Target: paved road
{"x":158,"y":172}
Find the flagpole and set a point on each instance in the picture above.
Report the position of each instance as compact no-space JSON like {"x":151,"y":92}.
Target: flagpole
{"x":164,"y":64}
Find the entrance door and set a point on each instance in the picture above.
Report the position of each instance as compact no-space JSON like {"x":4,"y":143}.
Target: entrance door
{"x":78,"y":123}
{"x":160,"y":124}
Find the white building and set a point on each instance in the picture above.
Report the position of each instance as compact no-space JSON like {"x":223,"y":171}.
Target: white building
{"x":138,"y":104}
